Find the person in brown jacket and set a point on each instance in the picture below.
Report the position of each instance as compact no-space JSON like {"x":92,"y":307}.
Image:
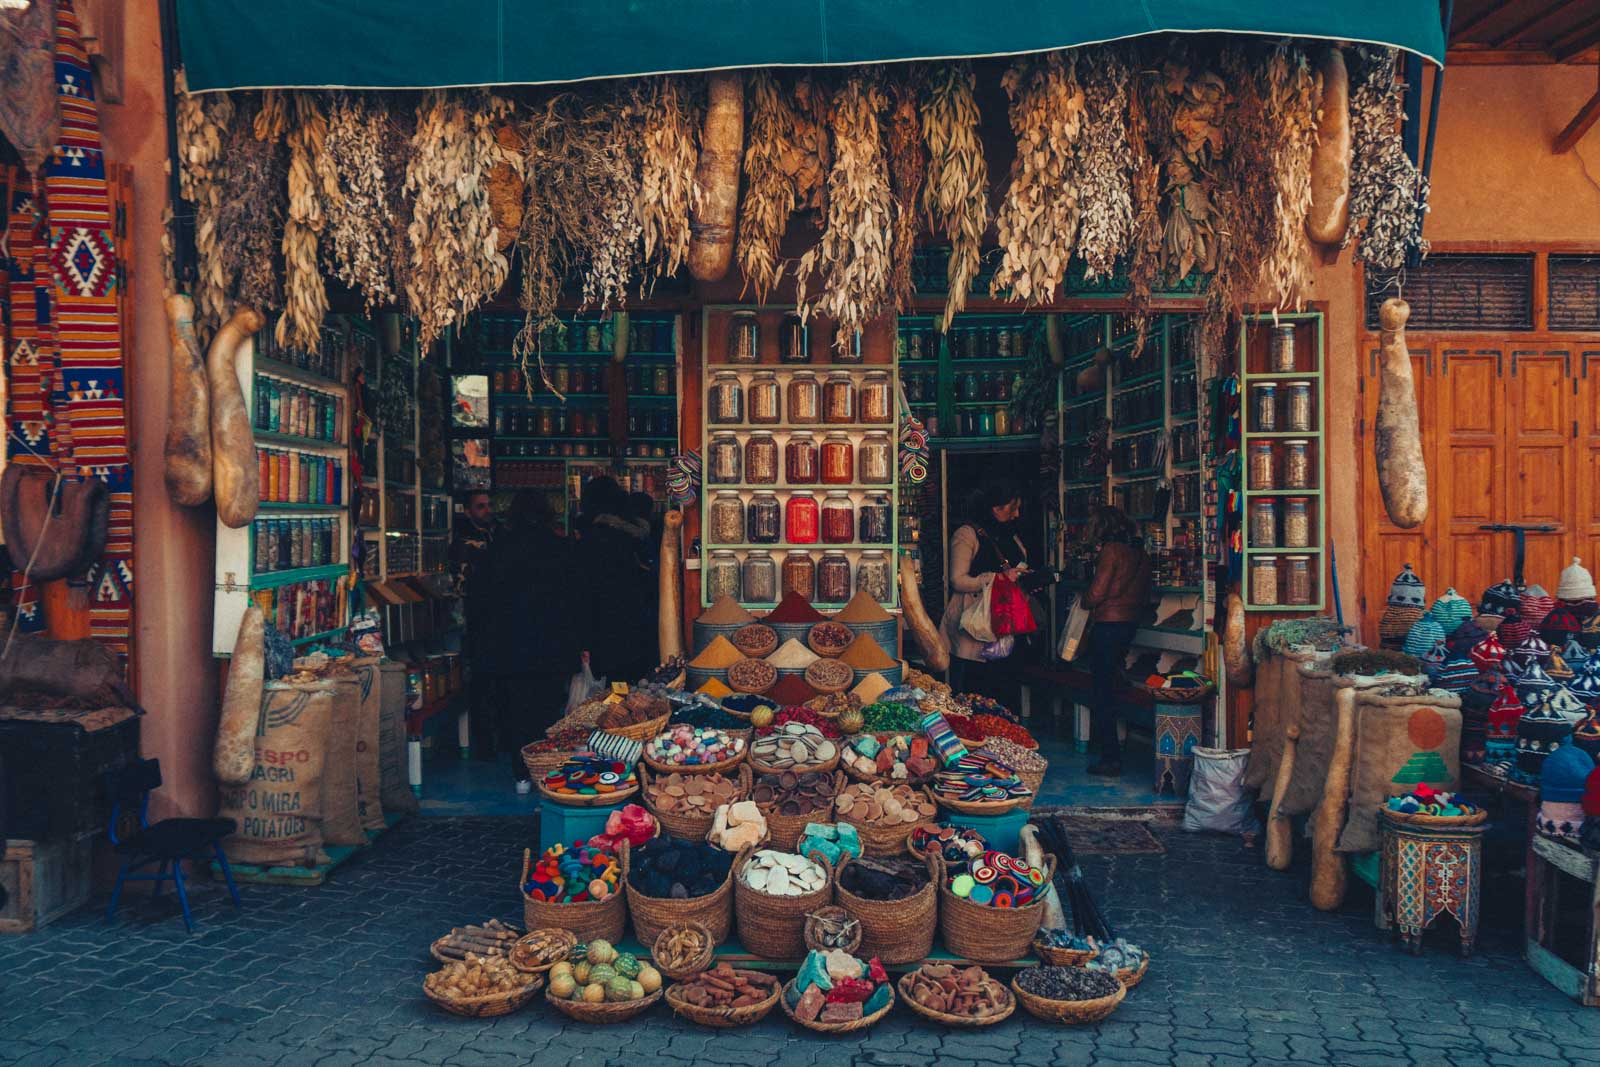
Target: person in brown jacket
{"x":1116,"y":600}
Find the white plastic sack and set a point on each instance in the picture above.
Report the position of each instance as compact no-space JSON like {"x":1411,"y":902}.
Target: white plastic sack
{"x":1218,"y":800}
{"x":975,"y":616}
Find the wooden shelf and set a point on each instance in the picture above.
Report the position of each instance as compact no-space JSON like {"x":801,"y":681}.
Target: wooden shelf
{"x":273,"y":579}
{"x":319,"y":509}
{"x":304,"y":444}
{"x":272,"y":368}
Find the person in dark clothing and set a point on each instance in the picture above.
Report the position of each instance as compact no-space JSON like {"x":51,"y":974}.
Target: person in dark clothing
{"x":1116,"y":599}
{"x":618,"y":583}
{"x":536,"y":628}
{"x":474,"y":532}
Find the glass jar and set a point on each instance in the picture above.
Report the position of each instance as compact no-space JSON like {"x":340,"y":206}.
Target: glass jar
{"x":761,"y":459}
{"x":547,"y":422}
{"x":766,"y":406}
{"x":800,"y":519}
{"x":838,"y":399}
{"x":833,"y":578}
{"x":877,"y":460}
{"x":561,"y":378}
{"x":661,"y":380}
{"x":1280,"y":350}
{"x":875,"y":514}
{"x":723,"y":466}
{"x":763,"y":520}
{"x":1263,"y":524}
{"x":1265,"y":406}
{"x":800,"y":459}
{"x":1297,"y":407}
{"x":722,"y":575}
{"x":1264,"y":580}
{"x":1296,"y":523}
{"x":874,"y":575}
{"x":744,"y":337}
{"x":1263,"y":468}
{"x":726,"y":519}
{"x":1297,"y":465}
{"x":800,"y":574}
{"x":1299,"y":583}
{"x":794,"y":340}
{"x":760,"y":578}
{"x":876,"y":402}
{"x":851,"y":351}
{"x":725,"y":399}
{"x":838,"y":519}
{"x":804,"y":399}
{"x":838,"y":460}
{"x":1002,"y":421}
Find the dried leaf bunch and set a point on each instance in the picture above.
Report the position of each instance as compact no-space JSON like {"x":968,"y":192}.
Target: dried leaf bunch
{"x":956,"y":192}
{"x":255,"y":200}
{"x":1239,"y":172}
{"x":1294,"y":94}
{"x":1104,"y":170}
{"x":1388,"y":195}
{"x":1187,"y":144}
{"x":1148,"y":105}
{"x":203,"y":126}
{"x":668,"y":124}
{"x":907,"y":168}
{"x":356,"y":248}
{"x":313,"y":190}
{"x":772,"y":169}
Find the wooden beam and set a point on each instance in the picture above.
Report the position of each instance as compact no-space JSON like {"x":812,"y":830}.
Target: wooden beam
{"x":1515,"y":32}
{"x":1580,"y":125}
{"x":1581,"y":37}
{"x":1487,"y":15}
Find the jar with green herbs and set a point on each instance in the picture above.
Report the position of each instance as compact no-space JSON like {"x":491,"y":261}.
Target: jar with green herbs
{"x":726,"y":516}
{"x":722,"y":575}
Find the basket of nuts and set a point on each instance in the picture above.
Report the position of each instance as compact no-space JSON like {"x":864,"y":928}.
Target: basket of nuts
{"x":480,"y":987}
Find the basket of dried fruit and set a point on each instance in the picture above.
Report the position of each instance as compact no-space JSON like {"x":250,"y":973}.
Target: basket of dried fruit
{"x":639,"y":716}
{"x":725,"y":998}
{"x":828,"y":639}
{"x":755,"y":640}
{"x":480,"y":987}
{"x":539,"y":950}
{"x":1070,"y":995}
{"x":829,"y":675}
{"x":956,"y":996}
{"x":683,"y":950}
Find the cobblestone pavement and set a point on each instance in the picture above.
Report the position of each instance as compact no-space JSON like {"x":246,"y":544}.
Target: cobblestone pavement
{"x":1244,"y":972}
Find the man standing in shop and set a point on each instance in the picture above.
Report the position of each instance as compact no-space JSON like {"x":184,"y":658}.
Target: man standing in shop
{"x":469,"y":550}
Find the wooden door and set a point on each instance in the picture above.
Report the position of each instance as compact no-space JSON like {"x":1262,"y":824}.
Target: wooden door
{"x":1539,"y":461}
{"x":1466,"y":489}
{"x":1586,"y":515}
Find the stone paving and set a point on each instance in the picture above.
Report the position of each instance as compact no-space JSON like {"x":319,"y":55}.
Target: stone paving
{"x":1244,"y":973}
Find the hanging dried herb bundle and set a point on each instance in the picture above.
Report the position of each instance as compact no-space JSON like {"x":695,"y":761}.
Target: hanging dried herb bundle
{"x":610,"y":252}
{"x":1187,"y":146}
{"x":399,"y":126}
{"x":507,"y":190}
{"x":204,"y":124}
{"x":1294,"y":91}
{"x":907,"y":166}
{"x":1244,"y":190}
{"x":254,"y":204}
{"x":1038,"y":219}
{"x":455,"y":265}
{"x":669,"y":136}
{"x":772,"y":166}
{"x":956,"y":195}
{"x":360,"y":221}
{"x":1388,"y":195}
{"x":811,"y":138}
{"x":1103,"y":173}
{"x":313,"y":189}
{"x":852,"y":259}
{"x":1149,"y":107}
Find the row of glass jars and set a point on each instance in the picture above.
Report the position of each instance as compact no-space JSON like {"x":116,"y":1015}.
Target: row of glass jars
{"x":838,"y":461}
{"x":1264,"y":472}
{"x":759,"y":579}
{"x":794,"y":341}
{"x":800,"y":520}
{"x":837,"y":400}
{"x":1296,"y":580}
{"x":1296,"y":522}
{"x":1298,"y":415}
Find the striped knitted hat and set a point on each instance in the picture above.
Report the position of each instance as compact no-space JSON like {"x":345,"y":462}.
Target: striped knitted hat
{"x":1558,"y":668}
{"x":1395,"y":623}
{"x":1488,"y":653}
{"x":1464,"y":636}
{"x":1561,"y":624}
{"x":1585,"y":684}
{"x":1513,"y":632}
{"x":1574,"y":653}
{"x":1423,"y":637}
{"x":1535,"y":604}
{"x":1504,"y":714}
{"x":1407,"y":591}
{"x":1541,"y":731}
{"x":1586,"y":735}
{"x":1532,"y":684}
{"x":1455,"y":674}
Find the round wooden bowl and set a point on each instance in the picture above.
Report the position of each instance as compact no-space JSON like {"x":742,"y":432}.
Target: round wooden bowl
{"x":831,"y":913}
{"x":982,"y":807}
{"x":605,"y":1011}
{"x":490,"y":1006}
{"x":723,"y":1018}
{"x":1068,"y":1012}
{"x":599,"y":800}
{"x":946,"y":1019}
{"x":700,"y":962}
{"x":566,"y":937}
{"x":851,"y":1027}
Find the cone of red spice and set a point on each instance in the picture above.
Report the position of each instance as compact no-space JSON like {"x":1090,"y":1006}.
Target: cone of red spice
{"x":794,"y":608}
{"x":791,"y":689}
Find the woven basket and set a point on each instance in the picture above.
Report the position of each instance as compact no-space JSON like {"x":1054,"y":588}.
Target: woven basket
{"x":1197,"y":695}
{"x":564,"y":936}
{"x":1477,"y":818}
{"x":598,"y":800}
{"x":814,"y":928}
{"x":982,"y":807}
{"x":688,"y":827}
{"x":642,"y":731}
{"x":818,"y":768}
{"x":723,"y":1018}
{"x":989,"y":935}
{"x":723,"y":767}
{"x":1034,"y":780}
{"x":945,"y":1018}
{"x":1132,"y":976}
{"x":1069,"y":1012}
{"x":1055,"y":956}
{"x":605,"y":1011}
{"x":882,"y":842}
{"x":714,"y":911}
{"x":589,"y":919}
{"x":540,"y":764}
{"x":895,"y":931}
{"x":490,"y":1006}
{"x":774,"y":927}
{"x":433,"y":950}
{"x":786,"y":830}
{"x":699,"y":963}
{"x":835,"y":1028}
{"x":884,"y":779}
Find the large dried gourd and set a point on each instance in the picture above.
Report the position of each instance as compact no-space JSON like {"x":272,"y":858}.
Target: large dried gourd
{"x":716,"y":178}
{"x":1329,"y":214}
{"x":1329,"y":876}
{"x":1402,"y":475}
{"x":669,"y":614}
{"x":935,"y":649}
{"x":186,"y":454}
{"x":235,"y":476}
{"x":234,"y":756}
{"x":1236,"y":657}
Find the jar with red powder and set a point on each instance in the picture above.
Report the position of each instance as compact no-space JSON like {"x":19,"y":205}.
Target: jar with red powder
{"x":838,"y":460}
{"x":838,"y":519}
{"x":800,"y":519}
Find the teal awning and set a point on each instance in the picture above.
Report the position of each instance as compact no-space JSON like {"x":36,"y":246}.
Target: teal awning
{"x":398,"y":44}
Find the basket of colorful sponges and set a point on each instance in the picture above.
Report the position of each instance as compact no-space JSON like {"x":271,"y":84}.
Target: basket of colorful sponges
{"x":577,"y":888}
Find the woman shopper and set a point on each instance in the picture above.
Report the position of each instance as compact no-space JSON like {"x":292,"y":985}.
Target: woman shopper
{"x":1116,"y":599}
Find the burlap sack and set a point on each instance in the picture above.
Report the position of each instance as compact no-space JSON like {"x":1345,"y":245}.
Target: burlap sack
{"x":1276,"y":707}
{"x":368,"y":799}
{"x":278,"y":812}
{"x":341,"y":813}
{"x":1401,"y":742}
{"x":1319,"y":725}
{"x":394,"y":784}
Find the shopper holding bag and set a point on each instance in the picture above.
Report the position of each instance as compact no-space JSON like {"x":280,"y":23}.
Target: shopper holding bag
{"x":1116,"y":599}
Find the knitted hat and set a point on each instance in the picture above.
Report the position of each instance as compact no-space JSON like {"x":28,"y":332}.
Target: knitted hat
{"x":1532,"y":684}
{"x":1540,"y":732}
{"x":1586,"y":735}
{"x":1475,"y":703}
{"x":1423,"y":637}
{"x":1455,"y":674}
{"x":1451,"y":610}
{"x":1433,"y":662}
{"x":1583,"y":609}
{"x":1574,"y":653}
{"x":1535,"y":604}
{"x":1504,"y":714}
{"x":1488,"y":653}
{"x":1532,"y":651}
{"x":1561,"y":789}
{"x":1558,"y":668}
{"x":1576,"y":583}
{"x":1560,"y":625}
{"x":1513,"y":632}
{"x":1591,"y":795}
{"x":1406,"y":591}
{"x":1395,"y":623}
{"x":1501,"y":600}
{"x":1585,"y":684}
{"x":1464,"y":636}
{"x":1589,"y":636}
{"x":1479,"y":697}
{"x":1563,"y":703}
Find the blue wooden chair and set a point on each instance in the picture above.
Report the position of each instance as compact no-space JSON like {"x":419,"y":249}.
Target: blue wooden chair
{"x":167,"y":843}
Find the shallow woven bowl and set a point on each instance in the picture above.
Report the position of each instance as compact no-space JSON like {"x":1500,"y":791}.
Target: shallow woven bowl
{"x":850,"y":1027}
{"x":700,"y":962}
{"x":724,"y":1018}
{"x":945,"y":1018}
{"x":490,"y":1006}
{"x":605,"y":1011}
{"x":1068,"y":1012}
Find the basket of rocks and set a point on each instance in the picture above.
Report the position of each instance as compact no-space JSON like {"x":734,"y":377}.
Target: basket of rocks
{"x":884,"y":815}
{"x":792,"y":800}
{"x":772,"y":892}
{"x":794,"y":746}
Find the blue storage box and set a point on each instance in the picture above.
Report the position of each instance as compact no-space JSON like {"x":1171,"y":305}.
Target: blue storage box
{"x":559,"y":823}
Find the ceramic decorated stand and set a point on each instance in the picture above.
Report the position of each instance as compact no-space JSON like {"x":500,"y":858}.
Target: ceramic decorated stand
{"x":1425,"y":872}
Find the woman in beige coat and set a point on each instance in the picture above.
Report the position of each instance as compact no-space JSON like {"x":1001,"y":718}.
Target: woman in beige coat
{"x":982,"y":547}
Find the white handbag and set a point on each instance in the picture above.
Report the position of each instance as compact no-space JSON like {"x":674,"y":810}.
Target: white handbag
{"x":1072,"y":633}
{"x":975,"y":616}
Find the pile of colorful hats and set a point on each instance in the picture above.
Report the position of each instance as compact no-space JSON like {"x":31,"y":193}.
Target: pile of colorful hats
{"x":573,"y":875}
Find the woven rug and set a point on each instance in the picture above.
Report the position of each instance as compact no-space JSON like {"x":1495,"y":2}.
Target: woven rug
{"x":1105,"y":834}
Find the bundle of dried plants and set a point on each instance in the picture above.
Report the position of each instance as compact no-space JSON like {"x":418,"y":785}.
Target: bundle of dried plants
{"x":1149,"y":107}
{"x":811,"y":109}
{"x":1244,"y":189}
{"x":852,"y":261}
{"x":907,"y":166}
{"x":399,"y":126}
{"x":361,"y":220}
{"x":1294,"y":91}
{"x":1187,"y":146}
{"x":313,"y":189}
{"x":1038,"y":219}
{"x":204,"y":124}
{"x":254,"y":205}
{"x":1388,"y":195}
{"x":668,"y":121}
{"x":1104,"y":160}
{"x":772,"y":167}
{"x":956,"y":194}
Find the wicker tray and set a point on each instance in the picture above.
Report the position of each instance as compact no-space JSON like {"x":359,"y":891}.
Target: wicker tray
{"x":724,"y":1018}
{"x":722,"y":767}
{"x":688,"y":827}
{"x":700,"y":962}
{"x":786,"y":830}
{"x":1197,"y":695}
{"x":812,"y":930}
{"x":1477,"y":818}
{"x":1132,"y":976}
{"x":946,"y":1019}
{"x":851,"y":1027}
{"x":773,"y":927}
{"x":883,"y":842}
{"x":566,"y":936}
{"x":982,"y":807}
{"x":1068,"y":1012}
{"x":490,"y":1006}
{"x":433,"y":950}
{"x":605,"y":1011}
{"x":1055,"y":956}
{"x":587,"y":920}
{"x":599,"y":800}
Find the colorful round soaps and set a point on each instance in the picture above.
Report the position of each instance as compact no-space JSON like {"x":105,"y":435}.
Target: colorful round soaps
{"x":587,"y":775}
{"x":573,"y":875}
{"x":693,"y":746}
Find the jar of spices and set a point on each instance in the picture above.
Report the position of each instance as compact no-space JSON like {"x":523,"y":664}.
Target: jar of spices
{"x":561,"y":378}
{"x":794,"y":340}
{"x":725,"y":399}
{"x":1265,"y":406}
{"x":760,"y":578}
{"x":1264,"y":580}
{"x":838,"y":460}
{"x":873,"y":575}
{"x":800,"y":519}
{"x":1297,"y":407}
{"x":877,"y":460}
{"x":764,"y":520}
{"x":804,"y":399}
{"x":838,"y":399}
{"x":1280,"y":350}
{"x":761,"y":459}
{"x":1263,"y":524}
{"x":1299,"y":581}
{"x":547,"y":422}
{"x":800,"y":459}
{"x":851,"y":352}
{"x":726,"y":516}
{"x":876,"y":402}
{"x":874,"y":519}
{"x":722,"y":575}
{"x":766,"y":407}
{"x":833,"y":578}
{"x":1296,"y":523}
{"x":592,"y":338}
{"x":723,"y":462}
{"x":1002,"y":421}
{"x":1297,"y":465}
{"x":744,"y":337}
{"x":662,"y":380}
{"x":838,"y":519}
{"x":1263,"y":469}
{"x":916,"y":348}
{"x":800,"y":574}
